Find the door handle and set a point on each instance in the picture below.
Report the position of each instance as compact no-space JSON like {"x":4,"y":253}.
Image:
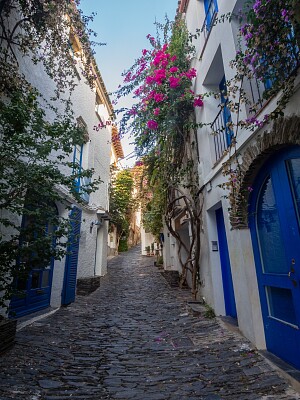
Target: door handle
{"x":292,"y":271}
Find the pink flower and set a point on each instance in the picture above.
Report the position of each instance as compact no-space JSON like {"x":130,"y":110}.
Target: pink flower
{"x":149,"y":80}
{"x":192,"y":73}
{"x":174,"y":58}
{"x":158,"y":97}
{"x":133,"y":111}
{"x":144,"y":52}
{"x":151,"y":124}
{"x":159,"y":75}
{"x":198,"y":102}
{"x":156,"y":111}
{"x":173,"y":70}
{"x":174,"y":82}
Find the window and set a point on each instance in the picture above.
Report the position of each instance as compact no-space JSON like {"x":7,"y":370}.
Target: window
{"x":222,"y":131}
{"x":226,"y":111}
{"x":211,"y":8}
{"x":79,"y":160}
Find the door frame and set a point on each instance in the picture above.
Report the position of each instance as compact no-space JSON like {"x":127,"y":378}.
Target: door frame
{"x":228,"y":289}
{"x":285,"y":333}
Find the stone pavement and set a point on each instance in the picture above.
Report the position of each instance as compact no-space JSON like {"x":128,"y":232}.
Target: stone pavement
{"x":134,"y":338}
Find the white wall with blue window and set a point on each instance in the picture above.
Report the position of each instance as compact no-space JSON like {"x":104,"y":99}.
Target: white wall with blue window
{"x":236,"y":279}
{"x":87,"y":257}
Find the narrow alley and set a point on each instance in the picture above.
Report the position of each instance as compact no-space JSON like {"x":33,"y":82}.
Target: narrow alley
{"x":134,"y":338}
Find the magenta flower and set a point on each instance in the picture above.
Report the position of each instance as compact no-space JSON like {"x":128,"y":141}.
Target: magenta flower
{"x":156,"y":111}
{"x":192,"y":73}
{"x":173,"y":70}
{"x":198,"y":102}
{"x":158,"y":97}
{"x":174,"y":82}
{"x":149,"y":80}
{"x":151,"y":124}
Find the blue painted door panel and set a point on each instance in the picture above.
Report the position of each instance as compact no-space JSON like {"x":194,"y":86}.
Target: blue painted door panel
{"x":69,"y":288}
{"x":274,"y":224}
{"x":230,"y":306}
{"x":35,"y":290}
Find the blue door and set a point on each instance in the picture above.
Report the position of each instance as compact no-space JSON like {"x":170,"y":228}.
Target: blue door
{"x":69,"y":287}
{"x":274,"y":224}
{"x":229,"y":298}
{"x":35,"y":289}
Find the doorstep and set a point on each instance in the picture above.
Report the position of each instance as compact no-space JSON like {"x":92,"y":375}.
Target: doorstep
{"x":287,"y":371}
{"x":31,"y":318}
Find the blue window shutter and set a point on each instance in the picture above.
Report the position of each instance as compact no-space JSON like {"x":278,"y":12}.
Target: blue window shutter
{"x":69,"y":289}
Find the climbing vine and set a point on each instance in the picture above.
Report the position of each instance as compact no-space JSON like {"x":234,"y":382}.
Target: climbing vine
{"x":266,"y":66}
{"x":161,"y":122}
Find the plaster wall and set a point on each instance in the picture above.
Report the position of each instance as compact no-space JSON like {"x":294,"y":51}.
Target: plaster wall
{"x":96,"y":154}
{"x":212,"y":63}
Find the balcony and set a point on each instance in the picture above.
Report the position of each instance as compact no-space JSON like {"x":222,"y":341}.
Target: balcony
{"x":221,"y":131}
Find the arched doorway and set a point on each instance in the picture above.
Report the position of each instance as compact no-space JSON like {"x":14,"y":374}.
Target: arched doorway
{"x":274,"y":219}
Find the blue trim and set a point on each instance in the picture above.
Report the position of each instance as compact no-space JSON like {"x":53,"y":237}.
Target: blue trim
{"x":211,"y":8}
{"x":226,"y":111}
{"x":281,"y":338}
{"x":229,"y":298}
{"x":69,"y":286}
{"x":36,"y":298}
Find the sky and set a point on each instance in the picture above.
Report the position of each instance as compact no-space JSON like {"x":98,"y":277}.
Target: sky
{"x":123,"y":25}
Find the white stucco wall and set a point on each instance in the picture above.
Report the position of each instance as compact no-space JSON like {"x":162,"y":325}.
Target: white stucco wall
{"x":96,"y":154}
{"x":212,"y":64}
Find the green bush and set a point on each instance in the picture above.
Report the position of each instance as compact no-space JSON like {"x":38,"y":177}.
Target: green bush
{"x":123,"y":246}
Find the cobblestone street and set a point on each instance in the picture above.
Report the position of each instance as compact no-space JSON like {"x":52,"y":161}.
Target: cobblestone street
{"x":135,"y":338}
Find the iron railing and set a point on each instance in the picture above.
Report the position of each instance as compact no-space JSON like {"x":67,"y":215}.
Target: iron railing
{"x":221,"y":132}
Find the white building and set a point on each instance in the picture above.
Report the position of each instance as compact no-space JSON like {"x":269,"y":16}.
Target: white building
{"x":86,"y":260}
{"x":249,"y":267}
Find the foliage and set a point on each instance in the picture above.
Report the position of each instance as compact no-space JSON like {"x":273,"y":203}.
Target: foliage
{"x":209,"y":312}
{"x":161,"y":122}
{"x":121,"y":202}
{"x":267,"y":60}
{"x":37,"y":134}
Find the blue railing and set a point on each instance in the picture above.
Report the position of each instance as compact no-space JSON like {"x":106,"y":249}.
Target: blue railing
{"x":222,"y":133}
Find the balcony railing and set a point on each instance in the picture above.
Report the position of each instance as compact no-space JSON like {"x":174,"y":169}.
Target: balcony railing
{"x":222,"y":134}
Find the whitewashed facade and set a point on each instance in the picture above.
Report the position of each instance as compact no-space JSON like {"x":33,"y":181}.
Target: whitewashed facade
{"x":236,"y":278}
{"x":94,"y":112}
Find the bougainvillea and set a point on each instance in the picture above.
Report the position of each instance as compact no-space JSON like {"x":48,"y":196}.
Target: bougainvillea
{"x":160,"y":81}
{"x":266,"y":66}
{"x":162,"y":123}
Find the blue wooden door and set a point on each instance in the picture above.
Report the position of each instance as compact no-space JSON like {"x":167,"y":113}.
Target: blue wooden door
{"x":229,"y":298}
{"x":274,"y":224}
{"x":34,"y":290}
{"x":69,"y":287}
